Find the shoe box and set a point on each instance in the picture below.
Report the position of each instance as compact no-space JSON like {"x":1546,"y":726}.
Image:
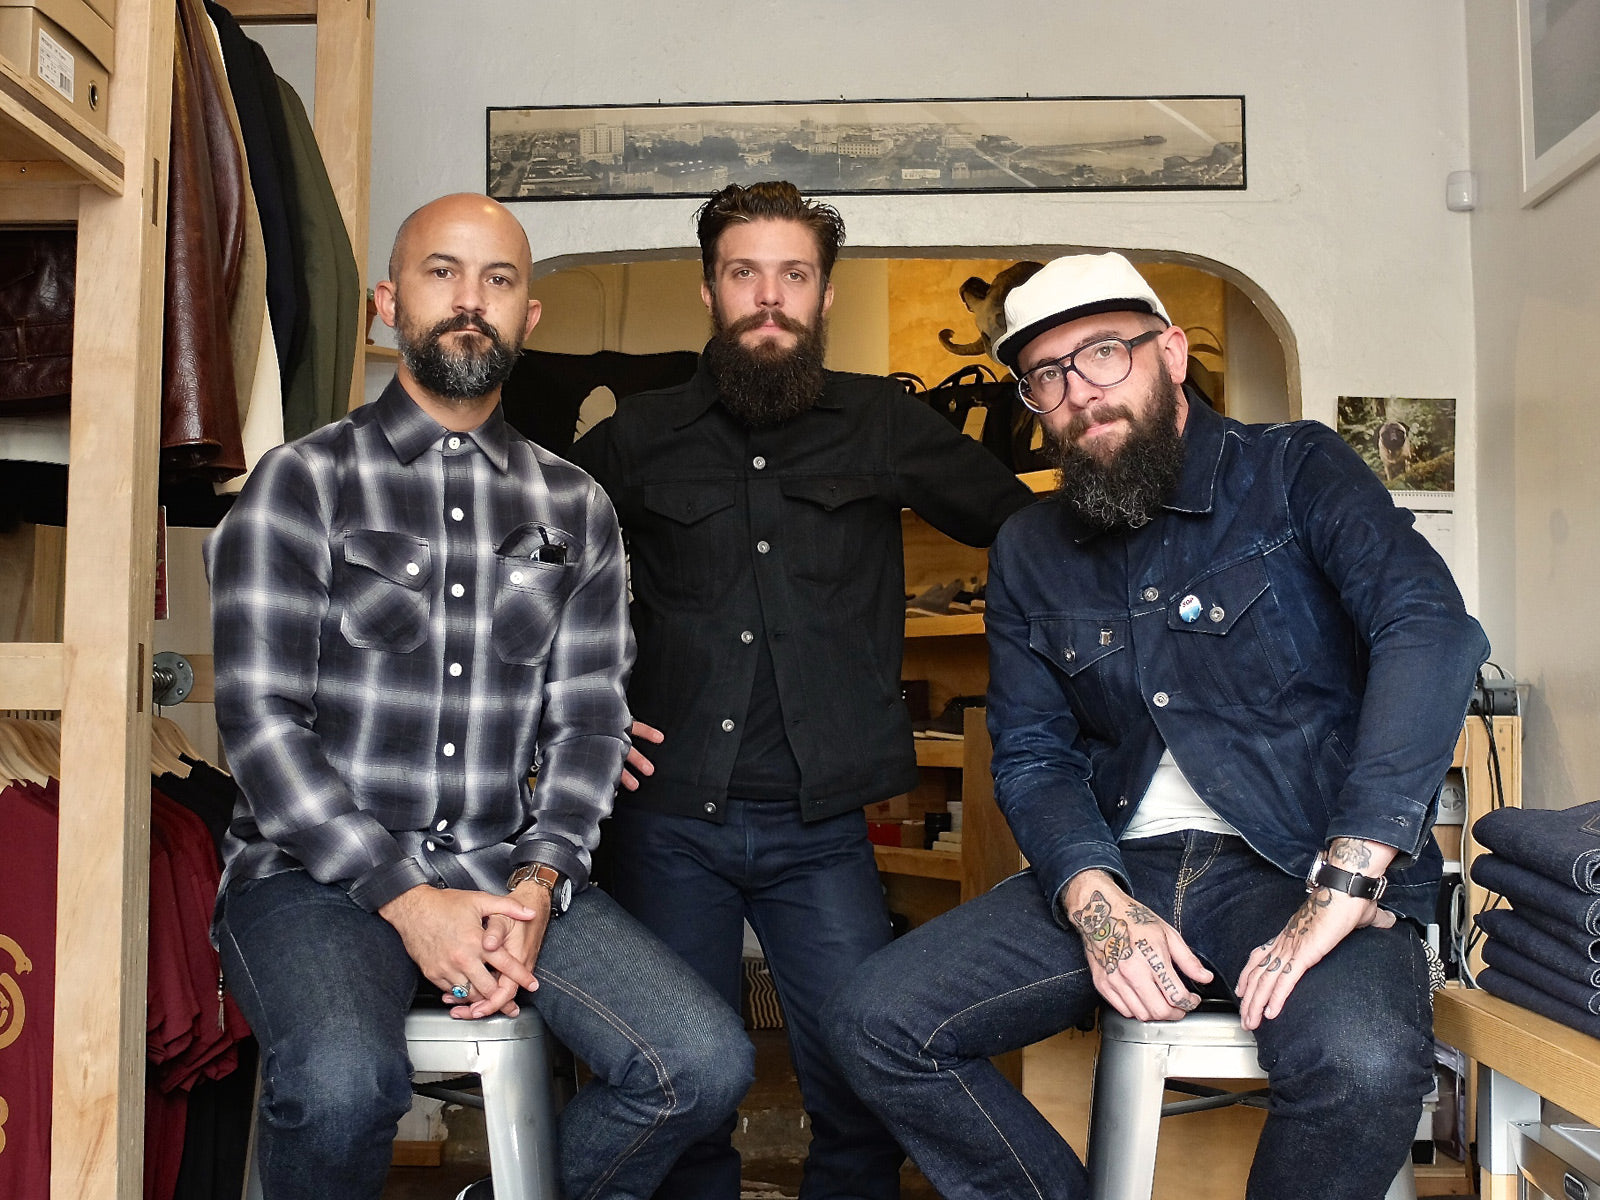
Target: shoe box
{"x":65,"y":45}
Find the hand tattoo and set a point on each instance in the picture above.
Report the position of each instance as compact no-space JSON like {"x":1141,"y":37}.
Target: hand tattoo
{"x":1107,"y":935}
{"x":1140,"y":915}
{"x":1350,"y":853}
{"x":1177,"y":995}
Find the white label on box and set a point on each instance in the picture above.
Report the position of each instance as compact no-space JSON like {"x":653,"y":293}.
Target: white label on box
{"x":55,"y":64}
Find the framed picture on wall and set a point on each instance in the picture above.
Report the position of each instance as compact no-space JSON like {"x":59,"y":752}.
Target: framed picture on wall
{"x":1123,"y":143}
{"x":1558,"y":45}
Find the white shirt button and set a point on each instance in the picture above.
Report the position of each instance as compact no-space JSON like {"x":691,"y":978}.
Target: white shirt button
{"x":454,"y":443}
{"x":430,"y":845}
{"x":1161,"y":699}
{"x":456,"y":514}
{"x":457,"y":590}
{"x":441,"y":826}
{"x":727,"y":725}
{"x":449,"y":749}
{"x":762,"y":547}
{"x":455,"y":668}
{"x":747,"y":637}
{"x":758,"y":462}
{"x":516,"y":577}
{"x":1151,"y":593}
{"x":413,"y":569}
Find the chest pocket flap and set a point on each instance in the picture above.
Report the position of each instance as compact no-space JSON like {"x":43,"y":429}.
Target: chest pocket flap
{"x":1075,"y":644}
{"x":399,"y":557}
{"x":1216,"y":603}
{"x":830,"y":491}
{"x":686,"y":503}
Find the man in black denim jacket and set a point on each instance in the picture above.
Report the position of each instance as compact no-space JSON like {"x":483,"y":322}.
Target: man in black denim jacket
{"x":761,"y":503}
{"x":1226,"y":678}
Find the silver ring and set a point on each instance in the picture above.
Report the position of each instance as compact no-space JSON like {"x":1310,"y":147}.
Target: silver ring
{"x":459,"y":991}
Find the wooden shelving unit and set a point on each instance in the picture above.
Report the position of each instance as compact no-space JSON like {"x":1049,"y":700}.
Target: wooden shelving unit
{"x":113,"y":187}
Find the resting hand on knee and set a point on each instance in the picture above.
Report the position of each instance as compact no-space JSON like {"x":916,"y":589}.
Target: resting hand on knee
{"x":1325,"y":919}
{"x":1138,"y":961}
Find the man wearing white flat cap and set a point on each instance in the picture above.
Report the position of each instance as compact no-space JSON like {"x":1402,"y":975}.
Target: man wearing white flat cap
{"x":1226,"y":679}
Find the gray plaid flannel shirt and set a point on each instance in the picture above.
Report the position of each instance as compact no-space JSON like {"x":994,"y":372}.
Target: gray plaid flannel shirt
{"x":406,"y":622}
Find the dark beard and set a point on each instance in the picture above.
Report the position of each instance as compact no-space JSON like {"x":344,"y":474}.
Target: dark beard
{"x":766,"y":385}
{"x":465,"y":374}
{"x":1126,"y":492}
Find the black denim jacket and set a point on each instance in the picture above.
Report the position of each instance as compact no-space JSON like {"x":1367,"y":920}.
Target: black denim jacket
{"x":791,"y":533}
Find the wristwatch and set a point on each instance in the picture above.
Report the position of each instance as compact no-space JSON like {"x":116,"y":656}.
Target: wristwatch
{"x":1324,"y":874}
{"x":547,"y":877}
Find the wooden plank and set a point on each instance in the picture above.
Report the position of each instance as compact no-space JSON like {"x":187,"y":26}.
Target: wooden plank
{"x":24,"y":200}
{"x":32,"y":675}
{"x":926,"y":864}
{"x":343,"y":120}
{"x":954,"y":625}
{"x":273,"y":12}
{"x":97,"y":1132}
{"x":1559,"y":1063}
{"x":1483,"y":788}
{"x":939,"y":752}
{"x":36,"y":126}
{"x":988,"y":851}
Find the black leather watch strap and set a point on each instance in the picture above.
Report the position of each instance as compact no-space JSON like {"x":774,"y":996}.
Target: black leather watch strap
{"x":1363,"y":887}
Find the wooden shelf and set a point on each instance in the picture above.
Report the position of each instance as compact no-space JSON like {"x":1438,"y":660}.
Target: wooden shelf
{"x":940,"y":752}
{"x":376,"y":353}
{"x":1559,"y":1063}
{"x":42,"y":141}
{"x":954,"y":625}
{"x":269,"y":12}
{"x":925,"y":864}
{"x":32,"y":675}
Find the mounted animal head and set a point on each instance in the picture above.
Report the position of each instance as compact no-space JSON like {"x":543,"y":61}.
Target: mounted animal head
{"x":986,"y":301}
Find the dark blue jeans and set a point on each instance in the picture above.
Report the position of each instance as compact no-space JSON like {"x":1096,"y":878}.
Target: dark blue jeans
{"x":1348,"y":1060}
{"x":812,"y":894}
{"x":326,"y":985}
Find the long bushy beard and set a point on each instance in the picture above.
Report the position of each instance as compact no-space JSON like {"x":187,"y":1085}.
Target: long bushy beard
{"x":766,"y":384}
{"x":1127,"y":491}
{"x":464,"y":374}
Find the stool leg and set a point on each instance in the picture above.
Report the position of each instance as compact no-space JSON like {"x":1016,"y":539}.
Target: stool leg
{"x":520,"y":1118}
{"x":1125,"y":1119}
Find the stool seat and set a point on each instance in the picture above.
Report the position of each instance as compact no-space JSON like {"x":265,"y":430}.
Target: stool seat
{"x":1136,"y":1059}
{"x":511,"y":1057}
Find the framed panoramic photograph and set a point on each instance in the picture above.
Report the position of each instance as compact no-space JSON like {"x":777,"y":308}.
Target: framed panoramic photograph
{"x":1145,"y":143}
{"x":1558,"y":47}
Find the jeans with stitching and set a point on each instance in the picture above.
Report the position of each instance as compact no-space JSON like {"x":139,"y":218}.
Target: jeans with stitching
{"x":1348,"y":1060}
{"x":326,"y":986}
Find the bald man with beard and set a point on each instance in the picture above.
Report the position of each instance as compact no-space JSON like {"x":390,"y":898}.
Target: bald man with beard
{"x":414,"y":607}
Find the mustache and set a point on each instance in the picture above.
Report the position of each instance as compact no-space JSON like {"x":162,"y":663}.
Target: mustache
{"x":464,"y":321}
{"x":1098,"y":415}
{"x":757,"y":319}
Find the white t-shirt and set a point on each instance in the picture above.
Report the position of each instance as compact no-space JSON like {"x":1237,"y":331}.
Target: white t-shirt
{"x":1171,"y":804}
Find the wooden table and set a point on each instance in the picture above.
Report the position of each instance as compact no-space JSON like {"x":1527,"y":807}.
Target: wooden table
{"x":1522,"y":1057}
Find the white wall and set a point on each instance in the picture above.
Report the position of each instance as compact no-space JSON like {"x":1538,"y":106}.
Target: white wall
{"x":1355,"y":113}
{"x":1536,"y":288}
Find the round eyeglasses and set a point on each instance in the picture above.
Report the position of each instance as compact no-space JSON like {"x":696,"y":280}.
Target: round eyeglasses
{"x":1102,"y":364}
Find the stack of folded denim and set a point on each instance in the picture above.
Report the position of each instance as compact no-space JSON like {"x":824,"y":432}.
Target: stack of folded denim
{"x":1543,"y":953}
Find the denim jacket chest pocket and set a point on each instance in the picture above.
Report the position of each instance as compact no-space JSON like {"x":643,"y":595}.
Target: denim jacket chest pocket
{"x":1095,"y":660}
{"x":824,"y":523}
{"x":381,"y":588}
{"x":534,"y":571}
{"x":689,"y":525}
{"x":1229,"y":635}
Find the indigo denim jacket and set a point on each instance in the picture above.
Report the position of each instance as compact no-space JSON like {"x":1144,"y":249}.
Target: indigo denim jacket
{"x":1280,"y":625}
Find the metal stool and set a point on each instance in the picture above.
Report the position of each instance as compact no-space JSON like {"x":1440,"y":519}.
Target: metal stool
{"x":1136,"y":1059}
{"x":511,"y":1057}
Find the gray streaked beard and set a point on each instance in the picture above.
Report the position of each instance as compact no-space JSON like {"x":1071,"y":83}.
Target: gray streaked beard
{"x":463,"y":375}
{"x":1127,"y":492}
{"x":768,"y":385}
